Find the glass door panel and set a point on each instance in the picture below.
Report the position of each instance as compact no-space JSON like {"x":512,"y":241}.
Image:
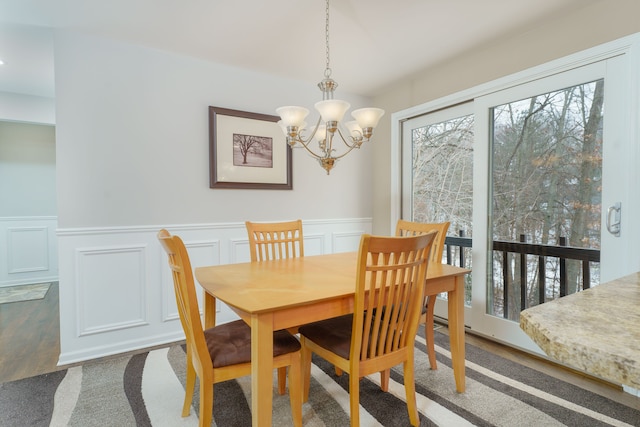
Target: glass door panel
{"x":438,"y":186}
{"x":546,"y":184}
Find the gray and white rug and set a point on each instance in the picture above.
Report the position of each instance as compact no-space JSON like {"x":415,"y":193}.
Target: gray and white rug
{"x":148,"y":390}
{"x":23,"y":292}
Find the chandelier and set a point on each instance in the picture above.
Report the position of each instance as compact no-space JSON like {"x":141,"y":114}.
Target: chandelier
{"x":352,"y":133}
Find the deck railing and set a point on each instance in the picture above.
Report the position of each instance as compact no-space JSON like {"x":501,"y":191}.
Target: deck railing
{"x":516,"y":262}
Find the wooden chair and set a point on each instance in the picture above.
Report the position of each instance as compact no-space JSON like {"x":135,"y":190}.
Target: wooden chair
{"x":409,"y":228}
{"x":381,"y":332}
{"x":223,"y":352}
{"x":276,"y":240}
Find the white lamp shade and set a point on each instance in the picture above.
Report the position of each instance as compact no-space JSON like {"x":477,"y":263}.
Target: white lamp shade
{"x":332,"y":110}
{"x":292,"y":115}
{"x":368,"y":117}
{"x":321,"y":133}
{"x":354,"y":128}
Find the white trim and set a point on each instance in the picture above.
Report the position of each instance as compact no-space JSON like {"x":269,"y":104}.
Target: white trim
{"x":185,"y":227}
{"x":28,"y":218}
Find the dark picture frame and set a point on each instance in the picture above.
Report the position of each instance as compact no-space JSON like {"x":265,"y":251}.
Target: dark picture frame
{"x":247,"y":151}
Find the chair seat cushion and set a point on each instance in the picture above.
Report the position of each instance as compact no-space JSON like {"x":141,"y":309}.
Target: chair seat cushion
{"x":230,"y":343}
{"x":333,"y":334}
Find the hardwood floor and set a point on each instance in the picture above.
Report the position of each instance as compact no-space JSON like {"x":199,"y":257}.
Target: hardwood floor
{"x":30,"y":345}
{"x":577,"y":378}
{"x":29,"y":336}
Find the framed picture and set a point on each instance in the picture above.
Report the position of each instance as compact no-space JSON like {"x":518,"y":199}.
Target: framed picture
{"x":247,"y":150}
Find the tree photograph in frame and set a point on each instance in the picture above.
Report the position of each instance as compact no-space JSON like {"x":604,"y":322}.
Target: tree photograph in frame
{"x":247,"y":150}
{"x":253,"y":151}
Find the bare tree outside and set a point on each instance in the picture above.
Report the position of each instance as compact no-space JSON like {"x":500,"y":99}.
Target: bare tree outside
{"x":442,"y":184}
{"x":546,"y":185}
{"x":443,"y":173}
{"x":253,"y":151}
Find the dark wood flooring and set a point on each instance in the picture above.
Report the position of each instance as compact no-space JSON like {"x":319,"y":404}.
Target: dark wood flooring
{"x":29,"y":336}
{"x":30,"y":345}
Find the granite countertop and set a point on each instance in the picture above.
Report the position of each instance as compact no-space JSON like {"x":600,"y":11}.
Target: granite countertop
{"x":596,"y":331}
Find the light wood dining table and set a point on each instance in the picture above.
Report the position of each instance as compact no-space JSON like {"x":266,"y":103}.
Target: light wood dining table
{"x":280,"y":294}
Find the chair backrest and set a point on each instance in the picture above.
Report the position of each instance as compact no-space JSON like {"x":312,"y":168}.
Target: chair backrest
{"x":395,"y":268}
{"x":275,"y":240}
{"x":186,"y":300}
{"x":410,"y":228}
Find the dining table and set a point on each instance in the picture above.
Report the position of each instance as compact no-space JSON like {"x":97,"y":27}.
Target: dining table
{"x":282,"y":294}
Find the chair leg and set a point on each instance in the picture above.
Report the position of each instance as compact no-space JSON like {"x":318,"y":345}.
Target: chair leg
{"x":410,"y":389}
{"x":189,"y":387}
{"x":354,"y":399}
{"x":338,"y":372}
{"x":429,"y":334}
{"x":306,"y":369}
{"x":282,"y":380}
{"x":295,"y":389}
{"x":384,"y":380}
{"x":206,"y":404}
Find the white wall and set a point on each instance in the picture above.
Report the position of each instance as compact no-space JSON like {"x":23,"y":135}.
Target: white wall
{"x":28,"y":243}
{"x":27,"y":169}
{"x":27,"y":108}
{"x":132,"y":157}
{"x":132,"y":128}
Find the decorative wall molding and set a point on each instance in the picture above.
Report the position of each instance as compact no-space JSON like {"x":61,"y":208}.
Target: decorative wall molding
{"x":200,"y":252}
{"x":28,"y":250}
{"x":110,"y":288}
{"x":116,"y":289}
{"x":346,"y":241}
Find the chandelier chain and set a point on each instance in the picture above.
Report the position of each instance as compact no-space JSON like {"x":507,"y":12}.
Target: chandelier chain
{"x":352,"y":133}
{"x":327,"y":71}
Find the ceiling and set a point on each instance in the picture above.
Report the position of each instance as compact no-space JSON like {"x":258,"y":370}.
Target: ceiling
{"x":372,"y":42}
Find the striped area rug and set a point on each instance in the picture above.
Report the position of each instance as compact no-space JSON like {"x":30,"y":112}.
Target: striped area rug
{"x":148,"y":389}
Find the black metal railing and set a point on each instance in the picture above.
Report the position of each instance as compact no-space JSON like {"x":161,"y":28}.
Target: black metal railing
{"x":456,"y":254}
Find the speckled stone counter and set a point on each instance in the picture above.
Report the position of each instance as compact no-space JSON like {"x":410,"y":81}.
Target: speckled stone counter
{"x":596,"y":331}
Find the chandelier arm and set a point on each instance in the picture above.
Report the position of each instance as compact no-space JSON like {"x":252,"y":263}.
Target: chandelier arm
{"x":315,"y":130}
{"x":356,"y":143}
{"x":329,"y":144}
{"x":301,"y":140}
{"x":345,"y":153}
{"x":305,"y":145}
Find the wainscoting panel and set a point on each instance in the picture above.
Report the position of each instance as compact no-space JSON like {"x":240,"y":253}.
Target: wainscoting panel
{"x":116,"y":289}
{"x":239,"y":250}
{"x":110,"y":288}
{"x":200,"y":253}
{"x":314,"y":244}
{"x":346,"y":241}
{"x":28,"y":250}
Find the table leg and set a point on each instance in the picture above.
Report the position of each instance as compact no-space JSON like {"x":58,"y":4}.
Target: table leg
{"x":456,"y":332}
{"x":261,"y":369}
{"x":209,"y":311}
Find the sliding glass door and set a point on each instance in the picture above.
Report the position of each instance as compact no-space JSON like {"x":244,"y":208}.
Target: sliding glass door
{"x":534,"y":166}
